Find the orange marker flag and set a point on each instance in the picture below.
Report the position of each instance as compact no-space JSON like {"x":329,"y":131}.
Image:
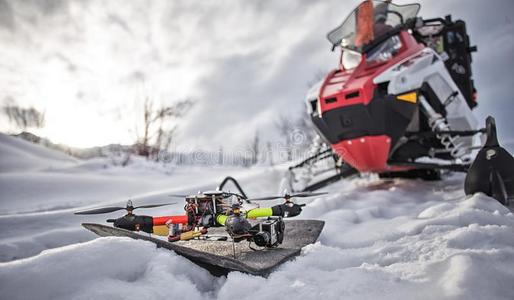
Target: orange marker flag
{"x":365,"y":23}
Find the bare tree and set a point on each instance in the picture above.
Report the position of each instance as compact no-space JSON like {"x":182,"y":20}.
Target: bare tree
{"x":254,"y":148}
{"x":156,"y":134}
{"x":119,"y":156}
{"x":303,"y":125}
{"x":269,"y":153}
{"x":285,"y":128}
{"x":297,"y":133}
{"x":220,"y":156}
{"x":24,"y":118}
{"x":317,"y":77}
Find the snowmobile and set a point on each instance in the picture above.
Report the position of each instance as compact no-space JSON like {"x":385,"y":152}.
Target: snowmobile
{"x":214,"y":225}
{"x":400,"y":104}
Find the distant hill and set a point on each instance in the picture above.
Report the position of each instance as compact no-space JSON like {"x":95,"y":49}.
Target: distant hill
{"x":82,"y":153}
{"x":19,"y":155}
{"x":120,"y":154}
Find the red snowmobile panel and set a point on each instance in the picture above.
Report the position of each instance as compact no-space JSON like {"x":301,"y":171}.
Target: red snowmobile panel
{"x":366,"y":154}
{"x":345,"y":90}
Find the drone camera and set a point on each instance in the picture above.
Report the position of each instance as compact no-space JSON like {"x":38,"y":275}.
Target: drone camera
{"x":270,"y":233}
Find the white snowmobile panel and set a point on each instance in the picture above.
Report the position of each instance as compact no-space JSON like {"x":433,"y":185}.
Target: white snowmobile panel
{"x":428,"y":67}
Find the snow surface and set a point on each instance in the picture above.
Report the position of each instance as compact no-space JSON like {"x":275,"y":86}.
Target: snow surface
{"x":20,"y":155}
{"x":395,"y":239}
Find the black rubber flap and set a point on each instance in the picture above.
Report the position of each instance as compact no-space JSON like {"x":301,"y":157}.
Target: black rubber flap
{"x":492,"y":172}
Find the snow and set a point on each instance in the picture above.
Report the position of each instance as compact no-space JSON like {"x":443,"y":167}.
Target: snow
{"x":18,"y":155}
{"x":387,"y":239}
{"x":106,"y":268}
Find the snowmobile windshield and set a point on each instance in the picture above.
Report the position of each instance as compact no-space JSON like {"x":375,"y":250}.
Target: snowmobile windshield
{"x":370,"y":20}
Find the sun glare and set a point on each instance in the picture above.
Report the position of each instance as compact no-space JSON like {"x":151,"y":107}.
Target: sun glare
{"x":85,"y":131}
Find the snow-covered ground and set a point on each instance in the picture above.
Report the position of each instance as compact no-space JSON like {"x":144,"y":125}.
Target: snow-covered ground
{"x":400,"y":239}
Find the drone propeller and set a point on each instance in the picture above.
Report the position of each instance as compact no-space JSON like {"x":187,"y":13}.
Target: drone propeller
{"x":287,"y":196}
{"x":220,"y":193}
{"x":178,"y":196}
{"x":102,"y":210}
{"x":308,"y":194}
{"x":154,"y":205}
{"x":108,"y":209}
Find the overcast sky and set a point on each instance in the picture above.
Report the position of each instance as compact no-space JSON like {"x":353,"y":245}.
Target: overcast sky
{"x":90,"y":64}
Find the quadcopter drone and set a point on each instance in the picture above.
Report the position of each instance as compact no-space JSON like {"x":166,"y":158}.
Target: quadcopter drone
{"x":216,"y":208}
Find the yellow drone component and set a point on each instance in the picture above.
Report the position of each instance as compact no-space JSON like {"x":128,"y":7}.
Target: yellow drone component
{"x":411,"y":97}
{"x":186,"y":236}
{"x":160,"y":230}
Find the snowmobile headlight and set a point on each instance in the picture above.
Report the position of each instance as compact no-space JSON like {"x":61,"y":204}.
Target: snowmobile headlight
{"x":350,"y":59}
{"x":384,"y":51}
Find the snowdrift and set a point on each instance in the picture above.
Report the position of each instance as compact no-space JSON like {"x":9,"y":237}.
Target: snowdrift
{"x":20,"y":155}
{"x":37,"y":201}
{"x":401,"y":239}
{"x":106,"y":268}
{"x":378,"y":243}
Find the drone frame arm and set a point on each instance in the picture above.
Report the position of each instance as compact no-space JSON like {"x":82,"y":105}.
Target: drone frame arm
{"x":259,"y":213}
{"x":221,"y":219}
{"x":255,"y":213}
{"x":159,"y":221}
